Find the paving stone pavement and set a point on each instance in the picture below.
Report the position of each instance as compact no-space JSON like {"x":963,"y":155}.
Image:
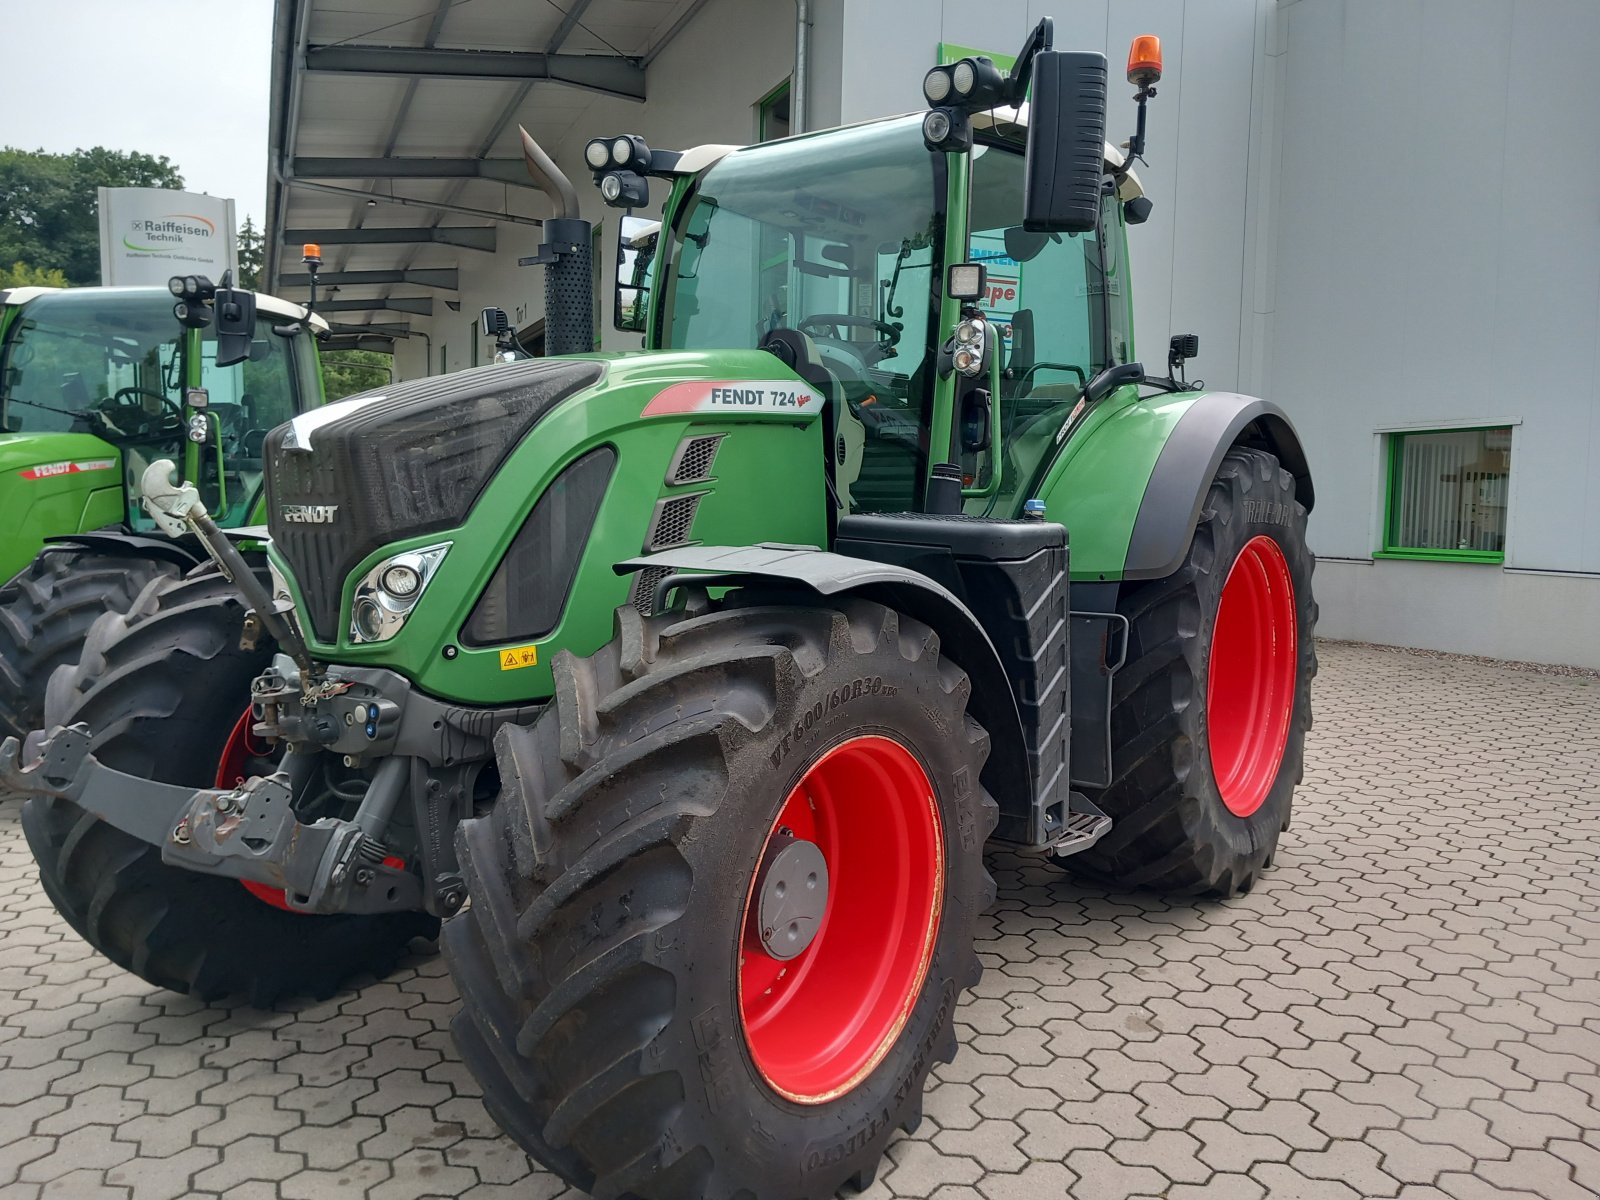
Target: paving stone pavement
{"x":1407,"y":1006}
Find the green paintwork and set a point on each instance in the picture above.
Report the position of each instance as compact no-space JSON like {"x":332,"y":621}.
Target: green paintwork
{"x":1097,"y":481}
{"x":37,"y":508}
{"x":767,"y":487}
{"x":78,"y":501}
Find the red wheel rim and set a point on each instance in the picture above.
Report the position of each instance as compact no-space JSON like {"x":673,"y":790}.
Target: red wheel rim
{"x":1251,"y":677}
{"x":819,"y":1023}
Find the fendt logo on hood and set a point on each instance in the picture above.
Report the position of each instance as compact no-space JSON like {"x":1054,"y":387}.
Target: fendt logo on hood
{"x":309,"y":514}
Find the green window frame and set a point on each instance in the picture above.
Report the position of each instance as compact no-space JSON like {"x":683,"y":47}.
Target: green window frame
{"x":1466,"y":501}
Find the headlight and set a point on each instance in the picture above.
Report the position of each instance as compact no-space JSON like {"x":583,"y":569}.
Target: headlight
{"x":386,"y":594}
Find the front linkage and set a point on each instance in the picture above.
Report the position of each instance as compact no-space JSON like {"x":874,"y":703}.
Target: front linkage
{"x":421,"y":749}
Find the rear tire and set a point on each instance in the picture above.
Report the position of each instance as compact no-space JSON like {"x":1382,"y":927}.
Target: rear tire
{"x":602,"y":962}
{"x":46,"y":611}
{"x":161,"y":690}
{"x":1198,"y":797}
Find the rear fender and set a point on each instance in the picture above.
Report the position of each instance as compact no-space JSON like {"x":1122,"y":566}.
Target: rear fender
{"x":961,"y":638}
{"x":1169,"y":510}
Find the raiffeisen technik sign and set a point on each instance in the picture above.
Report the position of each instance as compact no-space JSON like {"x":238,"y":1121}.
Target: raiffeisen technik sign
{"x":148,"y":235}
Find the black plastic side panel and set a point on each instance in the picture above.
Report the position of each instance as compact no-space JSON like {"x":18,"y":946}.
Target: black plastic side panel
{"x":1012,"y":575}
{"x":1187,"y":464}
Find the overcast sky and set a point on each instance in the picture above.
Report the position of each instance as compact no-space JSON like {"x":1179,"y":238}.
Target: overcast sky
{"x":184,"y":78}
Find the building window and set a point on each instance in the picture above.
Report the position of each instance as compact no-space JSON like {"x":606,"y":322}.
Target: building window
{"x":772,"y":114}
{"x":1447,"y":495}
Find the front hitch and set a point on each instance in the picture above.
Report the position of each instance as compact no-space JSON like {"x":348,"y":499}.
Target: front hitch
{"x":248,"y":832}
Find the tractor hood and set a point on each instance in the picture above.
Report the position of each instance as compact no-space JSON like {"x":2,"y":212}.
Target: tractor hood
{"x":54,"y":483}
{"x":520,"y":479}
{"x":412,"y":460}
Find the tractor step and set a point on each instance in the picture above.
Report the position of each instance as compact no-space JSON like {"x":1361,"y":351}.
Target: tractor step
{"x":1085,"y":825}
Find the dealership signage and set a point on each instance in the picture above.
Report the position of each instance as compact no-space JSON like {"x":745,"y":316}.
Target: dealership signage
{"x":148,"y":235}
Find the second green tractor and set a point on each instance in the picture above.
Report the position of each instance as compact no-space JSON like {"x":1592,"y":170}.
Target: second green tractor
{"x":687,"y":686}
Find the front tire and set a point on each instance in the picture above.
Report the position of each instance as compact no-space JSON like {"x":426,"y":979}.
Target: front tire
{"x":621,"y":1011}
{"x":162,"y":690}
{"x":46,"y":611}
{"x":1210,"y":711}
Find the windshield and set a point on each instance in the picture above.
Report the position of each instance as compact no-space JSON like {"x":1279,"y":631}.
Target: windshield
{"x":840,"y":237}
{"x":110,"y":362}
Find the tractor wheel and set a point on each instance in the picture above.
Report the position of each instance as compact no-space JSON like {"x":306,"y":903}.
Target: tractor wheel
{"x":1210,"y":711}
{"x":725,"y":904}
{"x":45,"y":613}
{"x":163,"y":690}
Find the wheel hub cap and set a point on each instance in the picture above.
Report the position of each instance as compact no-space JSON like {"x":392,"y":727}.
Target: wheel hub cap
{"x":793,"y":891}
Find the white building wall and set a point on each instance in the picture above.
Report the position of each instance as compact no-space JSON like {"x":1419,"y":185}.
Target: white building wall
{"x":1438,"y":264}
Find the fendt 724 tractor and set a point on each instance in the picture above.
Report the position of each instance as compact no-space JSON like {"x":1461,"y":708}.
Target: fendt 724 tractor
{"x":688,"y":685}
{"x":95,"y":384}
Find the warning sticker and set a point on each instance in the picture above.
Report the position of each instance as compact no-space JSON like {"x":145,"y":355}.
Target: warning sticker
{"x":51,"y":470}
{"x":518,"y":657}
{"x":776,"y":396}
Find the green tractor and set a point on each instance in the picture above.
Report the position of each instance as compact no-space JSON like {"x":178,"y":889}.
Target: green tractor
{"x":687,"y":686}
{"x":96,"y":383}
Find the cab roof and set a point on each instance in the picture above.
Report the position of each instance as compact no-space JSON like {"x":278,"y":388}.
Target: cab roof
{"x":264,"y":303}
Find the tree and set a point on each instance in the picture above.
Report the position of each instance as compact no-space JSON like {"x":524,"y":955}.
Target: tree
{"x":351,"y":371}
{"x":20,"y":274}
{"x":50,"y":211}
{"x":252,"y":255}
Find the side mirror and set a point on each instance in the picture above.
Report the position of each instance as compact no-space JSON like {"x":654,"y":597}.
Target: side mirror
{"x":637,"y":239}
{"x":235,"y":309}
{"x":1066,"y":143}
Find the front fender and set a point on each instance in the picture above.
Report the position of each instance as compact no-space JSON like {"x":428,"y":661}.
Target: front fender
{"x":961,"y":637}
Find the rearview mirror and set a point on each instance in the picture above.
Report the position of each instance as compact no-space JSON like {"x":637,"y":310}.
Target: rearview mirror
{"x":636,"y":254}
{"x":1066,"y":143}
{"x":235,"y":310}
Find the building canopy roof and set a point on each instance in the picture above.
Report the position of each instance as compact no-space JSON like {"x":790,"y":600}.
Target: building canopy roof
{"x":393,"y":135}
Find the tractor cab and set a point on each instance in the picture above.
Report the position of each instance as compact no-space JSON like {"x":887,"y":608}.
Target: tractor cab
{"x":850,"y":265}
{"x":97,"y":383}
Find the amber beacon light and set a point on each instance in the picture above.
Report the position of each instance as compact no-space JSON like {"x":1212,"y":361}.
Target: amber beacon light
{"x":1144,"y":60}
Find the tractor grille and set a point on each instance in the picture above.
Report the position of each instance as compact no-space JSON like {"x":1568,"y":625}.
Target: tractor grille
{"x":694,"y":458}
{"x":345,"y":480}
{"x":644,"y":587}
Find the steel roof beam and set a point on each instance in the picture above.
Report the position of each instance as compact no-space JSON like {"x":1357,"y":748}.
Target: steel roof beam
{"x":421,"y":306}
{"x":501,"y":170}
{"x":437,"y":277}
{"x":605,"y":73}
{"x":466,"y":237}
{"x":394,"y":329}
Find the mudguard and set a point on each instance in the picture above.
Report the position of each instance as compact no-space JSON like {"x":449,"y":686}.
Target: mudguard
{"x":184,"y":554}
{"x":961,"y":637}
{"x":1170,"y":506}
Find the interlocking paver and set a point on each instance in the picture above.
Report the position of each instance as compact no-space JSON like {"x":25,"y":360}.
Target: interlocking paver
{"x":1408,"y":1006}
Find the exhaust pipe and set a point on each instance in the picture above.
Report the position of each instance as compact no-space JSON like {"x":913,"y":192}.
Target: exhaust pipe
{"x":566,"y":256}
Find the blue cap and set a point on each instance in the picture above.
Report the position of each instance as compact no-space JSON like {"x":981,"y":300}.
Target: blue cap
{"x":1033,"y":508}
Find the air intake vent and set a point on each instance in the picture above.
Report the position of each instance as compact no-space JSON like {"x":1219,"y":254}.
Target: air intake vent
{"x":670,"y":525}
{"x":644,"y":587}
{"x":692,"y":462}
